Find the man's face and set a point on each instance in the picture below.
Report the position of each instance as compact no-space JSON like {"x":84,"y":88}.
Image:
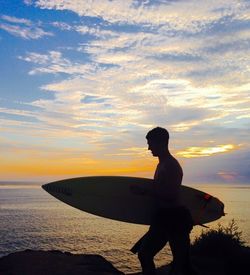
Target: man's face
{"x":156,"y":147}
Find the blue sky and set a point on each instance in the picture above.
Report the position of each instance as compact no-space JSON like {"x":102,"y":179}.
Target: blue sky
{"x":83,"y":81}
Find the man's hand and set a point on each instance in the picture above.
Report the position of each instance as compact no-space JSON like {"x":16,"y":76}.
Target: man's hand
{"x":138,"y":190}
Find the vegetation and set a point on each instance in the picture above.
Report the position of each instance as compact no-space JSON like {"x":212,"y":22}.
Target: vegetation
{"x":219,"y":242}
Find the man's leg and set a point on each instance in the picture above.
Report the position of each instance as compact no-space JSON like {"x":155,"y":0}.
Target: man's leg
{"x":151,"y":244}
{"x":180,"y":246}
{"x":137,"y":245}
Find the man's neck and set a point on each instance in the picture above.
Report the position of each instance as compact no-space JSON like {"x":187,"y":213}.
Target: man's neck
{"x":164,"y":156}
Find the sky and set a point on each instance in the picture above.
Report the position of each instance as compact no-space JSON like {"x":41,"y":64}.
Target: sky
{"x":83,"y":81}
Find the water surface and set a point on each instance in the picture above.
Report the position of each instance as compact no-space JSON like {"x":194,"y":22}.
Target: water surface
{"x":32,"y":219}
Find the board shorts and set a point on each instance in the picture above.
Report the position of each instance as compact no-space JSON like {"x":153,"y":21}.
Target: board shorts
{"x":172,"y":220}
{"x":166,"y":224}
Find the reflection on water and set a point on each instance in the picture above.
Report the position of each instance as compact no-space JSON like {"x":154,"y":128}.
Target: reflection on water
{"x":31,"y":218}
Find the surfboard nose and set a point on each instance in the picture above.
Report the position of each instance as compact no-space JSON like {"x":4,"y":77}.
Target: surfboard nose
{"x":53,"y":189}
{"x":50,"y":188}
{"x":45,"y":187}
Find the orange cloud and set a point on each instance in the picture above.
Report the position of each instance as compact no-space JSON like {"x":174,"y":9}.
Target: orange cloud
{"x":195,"y":152}
{"x":228,"y":176}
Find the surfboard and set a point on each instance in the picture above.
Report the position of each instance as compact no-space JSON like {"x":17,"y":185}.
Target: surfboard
{"x":111,"y":197}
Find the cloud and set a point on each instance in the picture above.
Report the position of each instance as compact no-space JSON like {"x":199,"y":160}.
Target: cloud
{"x":12,"y":19}
{"x":194,"y":152}
{"x":177,"y":64}
{"x":200,"y":59}
{"x":231,"y":167}
{"x":228,"y":176}
{"x":136,"y":91}
{"x":54,"y":63}
{"x":23,"y":28}
{"x":149,"y":79}
{"x":62,"y":26}
{"x":28,"y":2}
{"x":203,"y":59}
{"x":97,"y":31}
{"x":173,"y":14}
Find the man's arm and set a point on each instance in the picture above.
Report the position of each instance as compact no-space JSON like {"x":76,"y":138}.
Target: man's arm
{"x":167,"y":184}
{"x":165,"y":187}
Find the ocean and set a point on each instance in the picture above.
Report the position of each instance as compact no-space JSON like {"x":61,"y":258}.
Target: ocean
{"x":32,"y":219}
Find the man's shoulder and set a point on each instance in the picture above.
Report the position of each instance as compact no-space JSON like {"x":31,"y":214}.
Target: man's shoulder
{"x":171,"y":166}
{"x":171,"y":161}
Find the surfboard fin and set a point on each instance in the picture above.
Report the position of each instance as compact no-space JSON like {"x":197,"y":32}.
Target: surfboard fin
{"x":203,"y":225}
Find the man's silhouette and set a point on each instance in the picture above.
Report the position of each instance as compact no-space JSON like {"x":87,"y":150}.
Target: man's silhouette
{"x":171,"y":221}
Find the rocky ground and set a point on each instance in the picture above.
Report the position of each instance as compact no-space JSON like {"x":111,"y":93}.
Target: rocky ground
{"x":30,"y":262}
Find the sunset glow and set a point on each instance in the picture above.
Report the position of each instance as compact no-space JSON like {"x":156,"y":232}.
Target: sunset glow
{"x":82,"y":82}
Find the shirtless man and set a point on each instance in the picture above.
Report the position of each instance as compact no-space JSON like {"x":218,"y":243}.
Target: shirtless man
{"x":171,"y":221}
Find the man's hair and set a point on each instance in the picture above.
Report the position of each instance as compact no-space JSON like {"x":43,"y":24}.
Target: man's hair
{"x":158,"y":134}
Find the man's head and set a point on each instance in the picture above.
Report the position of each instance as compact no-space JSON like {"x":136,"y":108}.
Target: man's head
{"x":158,"y":141}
